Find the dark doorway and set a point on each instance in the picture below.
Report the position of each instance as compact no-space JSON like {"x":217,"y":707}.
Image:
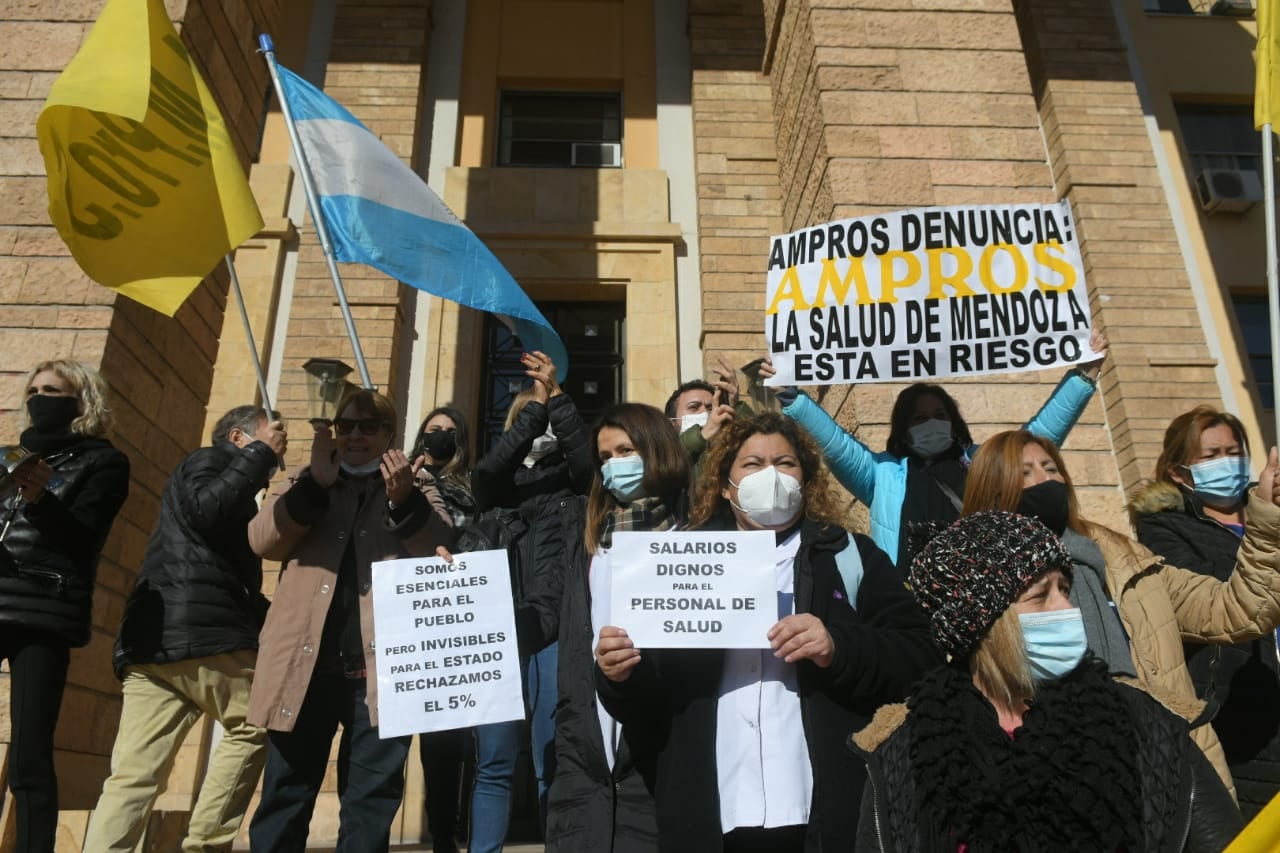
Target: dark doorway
{"x":592,"y":334}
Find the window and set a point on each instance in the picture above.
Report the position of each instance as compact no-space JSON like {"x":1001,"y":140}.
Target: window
{"x":1220,"y":137}
{"x":1251,"y":314}
{"x":560,"y":129}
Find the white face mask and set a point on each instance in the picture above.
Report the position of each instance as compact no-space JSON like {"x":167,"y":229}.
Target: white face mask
{"x":688,"y":422}
{"x":364,"y":470}
{"x":769,"y":497}
{"x":543,"y":445}
{"x":931,"y":439}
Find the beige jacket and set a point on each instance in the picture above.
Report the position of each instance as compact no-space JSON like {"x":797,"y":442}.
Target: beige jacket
{"x":1161,"y":605}
{"x":290,"y":640}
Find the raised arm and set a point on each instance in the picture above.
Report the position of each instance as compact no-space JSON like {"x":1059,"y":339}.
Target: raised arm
{"x":493,"y":480}
{"x":851,"y":461}
{"x":1060,"y":412}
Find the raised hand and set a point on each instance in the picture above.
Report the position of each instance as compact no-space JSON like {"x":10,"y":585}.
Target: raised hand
{"x":398,"y":474}
{"x":324,"y":455}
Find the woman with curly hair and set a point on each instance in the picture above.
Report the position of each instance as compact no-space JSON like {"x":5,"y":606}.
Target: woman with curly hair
{"x":749,"y":744}
{"x":54,"y":526}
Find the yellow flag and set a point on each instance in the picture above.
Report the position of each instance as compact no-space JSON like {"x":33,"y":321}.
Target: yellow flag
{"x":1262,"y":835}
{"x":144,"y":183}
{"x":1266,"y":95}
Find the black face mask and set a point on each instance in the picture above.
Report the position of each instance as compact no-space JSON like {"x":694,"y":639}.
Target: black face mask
{"x":441,"y":444}
{"x":1046,"y":502}
{"x":52,"y":414}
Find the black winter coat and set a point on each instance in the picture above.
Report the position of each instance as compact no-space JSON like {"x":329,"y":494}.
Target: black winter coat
{"x":1241,"y":681}
{"x":548,"y":497}
{"x":590,"y":807}
{"x":49,"y":560}
{"x":1185,"y":805}
{"x":199,"y":591}
{"x":882,"y":646}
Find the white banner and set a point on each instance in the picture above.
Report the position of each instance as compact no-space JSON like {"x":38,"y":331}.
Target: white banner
{"x":678,"y":590}
{"x":447,"y":655}
{"x":927,"y":293}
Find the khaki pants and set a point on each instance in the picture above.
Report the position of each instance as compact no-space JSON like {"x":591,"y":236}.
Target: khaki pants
{"x":161,"y":704}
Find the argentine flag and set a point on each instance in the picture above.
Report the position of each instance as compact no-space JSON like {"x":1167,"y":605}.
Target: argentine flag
{"x":380,"y":213}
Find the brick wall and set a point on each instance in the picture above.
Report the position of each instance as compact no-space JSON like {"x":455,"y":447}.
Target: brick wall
{"x":159,"y":369}
{"x":1102,"y":162}
{"x":884,"y":105}
{"x":739,"y":203}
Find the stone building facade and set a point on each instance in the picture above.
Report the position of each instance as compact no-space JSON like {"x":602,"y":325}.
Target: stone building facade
{"x":730,"y":121}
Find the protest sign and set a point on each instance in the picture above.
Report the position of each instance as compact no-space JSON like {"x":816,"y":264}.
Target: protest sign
{"x":927,"y":293}
{"x":446,"y":654}
{"x":679,"y":590}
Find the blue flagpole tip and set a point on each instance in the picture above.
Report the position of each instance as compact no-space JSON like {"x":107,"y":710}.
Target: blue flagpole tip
{"x":265,"y":44}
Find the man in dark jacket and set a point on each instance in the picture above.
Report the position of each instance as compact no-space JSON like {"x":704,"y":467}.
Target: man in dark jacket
{"x":189,"y":638}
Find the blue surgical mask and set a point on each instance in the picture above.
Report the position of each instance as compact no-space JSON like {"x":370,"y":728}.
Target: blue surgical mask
{"x":1221,"y":482}
{"x":1055,"y":642}
{"x":624,"y":477}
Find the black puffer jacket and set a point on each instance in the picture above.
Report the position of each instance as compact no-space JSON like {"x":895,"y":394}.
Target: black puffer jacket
{"x":882,"y":646}
{"x":1241,"y":681}
{"x":549,"y":499}
{"x":199,"y":591}
{"x":49,"y":560}
{"x":1185,"y":806}
{"x":590,"y":807}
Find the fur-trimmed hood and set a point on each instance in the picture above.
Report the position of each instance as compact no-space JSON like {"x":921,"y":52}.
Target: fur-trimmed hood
{"x":1154,"y":496}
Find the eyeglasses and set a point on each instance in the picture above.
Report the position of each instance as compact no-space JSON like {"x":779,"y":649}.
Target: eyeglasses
{"x":367,"y":426}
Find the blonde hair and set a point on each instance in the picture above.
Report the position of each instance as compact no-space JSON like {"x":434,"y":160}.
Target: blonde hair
{"x":517,"y":405}
{"x":999,"y":663}
{"x":90,"y":389}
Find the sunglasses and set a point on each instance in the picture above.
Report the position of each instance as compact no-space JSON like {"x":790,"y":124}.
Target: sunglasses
{"x":367,"y":426}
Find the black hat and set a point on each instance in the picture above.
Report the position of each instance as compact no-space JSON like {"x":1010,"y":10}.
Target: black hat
{"x":967,"y":575}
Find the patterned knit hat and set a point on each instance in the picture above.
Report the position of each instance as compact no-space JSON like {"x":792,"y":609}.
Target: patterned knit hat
{"x":967,"y":575}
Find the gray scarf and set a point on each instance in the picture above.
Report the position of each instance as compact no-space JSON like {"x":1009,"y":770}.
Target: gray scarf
{"x":1088,"y":592}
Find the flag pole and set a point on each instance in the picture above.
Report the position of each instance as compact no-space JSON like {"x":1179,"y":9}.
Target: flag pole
{"x":1273,"y":286}
{"x":248,"y":333}
{"x":267,"y":49}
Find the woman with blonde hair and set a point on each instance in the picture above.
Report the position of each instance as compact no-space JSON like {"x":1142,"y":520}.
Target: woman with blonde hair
{"x":1193,"y":514}
{"x":530,"y":485}
{"x":52,"y":527}
{"x":747,"y":745}
{"x":1024,"y":742}
{"x":1137,"y":608}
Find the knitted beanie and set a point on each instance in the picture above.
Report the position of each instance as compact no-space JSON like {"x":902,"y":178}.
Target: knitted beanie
{"x":967,"y":575}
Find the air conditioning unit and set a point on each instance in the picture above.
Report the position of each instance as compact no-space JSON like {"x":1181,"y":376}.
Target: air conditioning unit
{"x":1228,"y":190}
{"x":1237,"y":8}
{"x":597,"y":155}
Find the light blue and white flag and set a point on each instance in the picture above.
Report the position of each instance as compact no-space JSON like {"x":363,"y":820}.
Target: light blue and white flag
{"x":381,"y":213}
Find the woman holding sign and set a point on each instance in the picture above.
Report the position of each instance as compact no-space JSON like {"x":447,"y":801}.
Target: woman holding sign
{"x":358,"y":502}
{"x":920,"y":476}
{"x":1137,"y":609}
{"x":748,"y":745}
{"x":600,"y":798}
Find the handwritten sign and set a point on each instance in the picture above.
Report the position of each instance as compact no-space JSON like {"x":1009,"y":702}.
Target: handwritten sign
{"x":447,"y":656}
{"x":694,"y":590}
{"x":927,"y":293}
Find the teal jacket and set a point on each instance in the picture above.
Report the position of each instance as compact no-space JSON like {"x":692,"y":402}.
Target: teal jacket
{"x":879,"y":480}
